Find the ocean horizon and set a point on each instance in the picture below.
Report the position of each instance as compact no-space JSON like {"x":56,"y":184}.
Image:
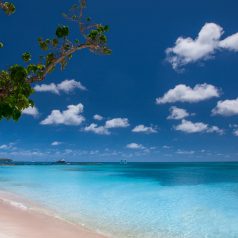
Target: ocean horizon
{"x":152,"y":200}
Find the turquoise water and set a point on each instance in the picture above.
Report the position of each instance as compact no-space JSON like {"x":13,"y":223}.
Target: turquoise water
{"x":152,"y":200}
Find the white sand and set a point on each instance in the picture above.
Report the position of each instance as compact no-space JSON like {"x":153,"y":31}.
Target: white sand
{"x":18,"y":221}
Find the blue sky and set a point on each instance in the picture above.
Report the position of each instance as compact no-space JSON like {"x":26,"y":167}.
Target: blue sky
{"x":182,"y":53}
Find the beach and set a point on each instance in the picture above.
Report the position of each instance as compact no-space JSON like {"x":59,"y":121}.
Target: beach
{"x":136,"y":200}
{"x":17,"y":220}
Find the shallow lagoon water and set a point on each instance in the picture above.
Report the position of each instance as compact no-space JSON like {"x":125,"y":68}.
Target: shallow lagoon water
{"x":149,"y":200}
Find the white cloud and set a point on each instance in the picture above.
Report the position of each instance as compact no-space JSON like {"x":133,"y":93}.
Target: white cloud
{"x":197,"y":127}
{"x":9,"y":146}
{"x":226,"y":108}
{"x":185,"y":152}
{"x":65,"y":86}
{"x":203,"y":47}
{"x":52,"y":87}
{"x":190,"y":127}
{"x":233,"y":125}
{"x":183,"y":93}
{"x":117,"y":123}
{"x":4,"y":146}
{"x":235,"y":129}
{"x":31,"y":111}
{"x":55,"y":143}
{"x":71,"y":116}
{"x":144,"y":129}
{"x":230,"y":43}
{"x":69,"y":85}
{"x":134,"y":146}
{"x":216,"y":130}
{"x":101,"y":130}
{"x":177,"y":113}
{"x":98,"y":117}
{"x":110,"y":124}
{"x":236,"y":132}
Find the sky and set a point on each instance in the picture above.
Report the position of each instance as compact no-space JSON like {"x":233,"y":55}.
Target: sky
{"x":167,"y":93}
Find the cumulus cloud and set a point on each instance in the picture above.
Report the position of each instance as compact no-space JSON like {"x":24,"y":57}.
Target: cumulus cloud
{"x":188,"y":50}
{"x":97,"y":117}
{"x":101,"y":130}
{"x":190,"y":127}
{"x":117,"y":123}
{"x":144,"y":129}
{"x":52,"y":87}
{"x":55,"y":143}
{"x":185,"y":152}
{"x":177,"y":113}
{"x":236,"y":132}
{"x":183,"y":93}
{"x":31,"y":111}
{"x":109,"y":124}
{"x":215,"y":129}
{"x":71,"y":116}
{"x":230,"y":43}
{"x":226,"y":108}
{"x":197,"y":127}
{"x":9,"y":146}
{"x":65,"y":86}
{"x":134,"y":146}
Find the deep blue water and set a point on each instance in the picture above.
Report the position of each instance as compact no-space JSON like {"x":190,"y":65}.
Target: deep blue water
{"x":159,"y":200}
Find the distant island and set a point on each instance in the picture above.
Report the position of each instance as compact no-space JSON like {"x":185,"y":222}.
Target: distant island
{"x":61,"y":161}
{"x":4,"y":161}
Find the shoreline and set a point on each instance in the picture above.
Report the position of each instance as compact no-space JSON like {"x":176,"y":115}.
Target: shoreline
{"x":22,"y":219}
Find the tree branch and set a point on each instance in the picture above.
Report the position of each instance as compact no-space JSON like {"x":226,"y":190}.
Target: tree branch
{"x":15,"y":82}
{"x":49,"y":68}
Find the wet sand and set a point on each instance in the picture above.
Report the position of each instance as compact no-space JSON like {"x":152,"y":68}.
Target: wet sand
{"x":18,"y":221}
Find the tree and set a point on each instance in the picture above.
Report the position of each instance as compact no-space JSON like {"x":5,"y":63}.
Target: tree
{"x":15,"y":82}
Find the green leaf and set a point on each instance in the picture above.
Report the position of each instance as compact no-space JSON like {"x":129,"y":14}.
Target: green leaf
{"x":106,"y":28}
{"x":47,"y":41}
{"x":18,"y":72}
{"x":62,"y":31}
{"x":103,"y":39}
{"x":93,"y":34}
{"x":106,"y":51}
{"x":26,"y":56}
{"x":1,"y":45}
{"x":9,"y":8}
{"x":32,"y":68}
{"x":55,"y":42}
{"x":50,"y":58}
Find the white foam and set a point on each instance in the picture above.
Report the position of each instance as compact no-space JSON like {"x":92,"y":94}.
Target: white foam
{"x":18,"y":205}
{"x":12,"y":203}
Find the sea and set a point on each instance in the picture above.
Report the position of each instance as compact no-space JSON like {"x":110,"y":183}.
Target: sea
{"x":141,"y":200}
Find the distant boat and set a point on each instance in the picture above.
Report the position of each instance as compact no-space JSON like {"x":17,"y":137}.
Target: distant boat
{"x":123,"y":161}
{"x":61,"y":161}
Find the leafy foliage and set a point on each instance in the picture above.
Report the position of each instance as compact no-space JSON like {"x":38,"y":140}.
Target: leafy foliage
{"x":8,"y":7}
{"x":15,"y":83}
{"x":62,"y":31}
{"x":14,"y":92}
{"x":26,"y":56}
